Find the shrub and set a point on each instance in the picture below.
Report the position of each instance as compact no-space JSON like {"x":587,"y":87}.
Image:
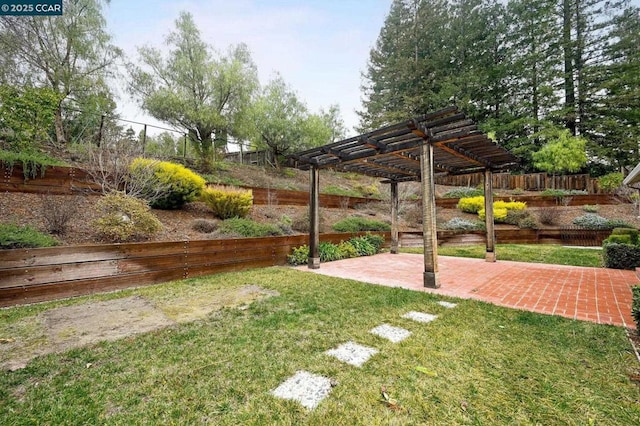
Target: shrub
{"x":594,"y":221}
{"x":124,"y":218}
{"x":57,"y":213}
{"x":33,"y":163}
{"x":631,"y":232}
{"x":205,"y":226}
{"x":499,"y":214}
{"x":363,"y":246}
{"x":14,"y":237}
{"x":618,"y":239}
{"x":527,"y":223}
{"x":518,"y":191}
{"x":591,"y":221}
{"x":621,"y":256}
{"x":329,"y":252}
{"x":347,"y":250}
{"x":547,"y":215}
{"x":464,"y":192}
{"x":227,"y":202}
{"x":357,"y":224}
{"x":247,"y":228}
{"x":510,"y":205}
{"x":471,"y":204}
{"x":588,"y":208}
{"x":459,"y":224}
{"x":635,"y":305}
{"x":610,"y":182}
{"x":173,"y":185}
{"x":301,"y":223}
{"x":299,"y":256}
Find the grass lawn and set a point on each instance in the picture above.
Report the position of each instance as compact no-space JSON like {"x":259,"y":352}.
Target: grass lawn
{"x":537,"y":253}
{"x":484,"y":364}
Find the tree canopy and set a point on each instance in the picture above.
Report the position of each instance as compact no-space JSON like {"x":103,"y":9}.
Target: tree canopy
{"x":517,"y":67}
{"x":193,"y":88}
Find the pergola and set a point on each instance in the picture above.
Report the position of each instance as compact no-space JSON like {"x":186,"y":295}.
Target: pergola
{"x":443,"y":142}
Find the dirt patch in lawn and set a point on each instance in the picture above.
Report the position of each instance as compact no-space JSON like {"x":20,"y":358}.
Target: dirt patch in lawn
{"x":60,"y":329}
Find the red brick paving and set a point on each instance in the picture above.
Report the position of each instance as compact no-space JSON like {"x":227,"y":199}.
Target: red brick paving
{"x":590,"y":294}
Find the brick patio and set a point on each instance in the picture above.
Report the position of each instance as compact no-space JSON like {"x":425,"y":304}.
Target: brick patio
{"x":590,"y":294}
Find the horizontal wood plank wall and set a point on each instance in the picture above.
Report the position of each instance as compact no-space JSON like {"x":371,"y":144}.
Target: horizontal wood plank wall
{"x":528,"y":182}
{"x":34,"y":275}
{"x":545,"y":201}
{"x":54,"y":180}
{"x":565,"y":236}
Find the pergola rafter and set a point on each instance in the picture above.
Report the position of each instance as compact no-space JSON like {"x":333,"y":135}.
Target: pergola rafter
{"x":443,"y":141}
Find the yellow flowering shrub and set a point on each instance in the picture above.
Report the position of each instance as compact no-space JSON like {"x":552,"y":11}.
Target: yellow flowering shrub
{"x":124,"y":218}
{"x":227,"y":202}
{"x":471,"y":204}
{"x":170,"y":185}
{"x":510,"y":205}
{"x":499,"y":215}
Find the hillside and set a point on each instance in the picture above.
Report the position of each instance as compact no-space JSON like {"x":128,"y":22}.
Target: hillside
{"x":186,"y":224}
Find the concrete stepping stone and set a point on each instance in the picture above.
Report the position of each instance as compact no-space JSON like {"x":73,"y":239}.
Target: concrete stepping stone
{"x":419,"y":316}
{"x":352,"y":353}
{"x":306,"y":388}
{"x":447,"y":304}
{"x":389,"y":332}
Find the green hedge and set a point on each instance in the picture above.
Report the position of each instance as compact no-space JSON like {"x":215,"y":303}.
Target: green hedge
{"x":621,"y":256}
{"x":635,"y":305}
{"x":365,"y":245}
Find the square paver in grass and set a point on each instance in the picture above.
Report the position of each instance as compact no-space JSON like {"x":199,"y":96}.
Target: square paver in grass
{"x":447,"y":304}
{"x":419,"y":316}
{"x":306,"y":388}
{"x":352,"y":353}
{"x":389,"y":332}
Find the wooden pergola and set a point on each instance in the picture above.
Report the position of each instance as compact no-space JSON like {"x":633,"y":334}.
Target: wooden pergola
{"x":444,"y":141}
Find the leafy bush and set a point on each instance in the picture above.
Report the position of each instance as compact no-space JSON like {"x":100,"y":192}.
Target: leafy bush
{"x":518,"y":191}
{"x":464,"y":192}
{"x":124,"y":218}
{"x":588,"y":208}
{"x":619,"y":223}
{"x":610,"y":182}
{"x":527,"y":223}
{"x":329,"y":252}
{"x":173,"y":186}
{"x":205,"y":226}
{"x":247,"y":228}
{"x":14,"y":237}
{"x":347,"y":250}
{"x":631,"y":232}
{"x":471,"y":204}
{"x":459,"y":224}
{"x":618,"y":239}
{"x":299,"y":256}
{"x":620,"y":256}
{"x":562,"y":192}
{"x":363,"y":246}
{"x":227,"y":202}
{"x":635,"y":305}
{"x":357,"y":224}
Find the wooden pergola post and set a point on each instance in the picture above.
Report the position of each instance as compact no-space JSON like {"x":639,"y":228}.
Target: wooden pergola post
{"x":314,"y":219}
{"x":490,"y":254}
{"x":394,"y":217}
{"x":429,"y":232}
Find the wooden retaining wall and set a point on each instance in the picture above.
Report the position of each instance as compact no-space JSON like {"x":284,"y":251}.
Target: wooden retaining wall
{"x":528,"y":182}
{"x":69,"y":180}
{"x":34,"y":275}
{"x":545,"y":201}
{"x":571,"y":236}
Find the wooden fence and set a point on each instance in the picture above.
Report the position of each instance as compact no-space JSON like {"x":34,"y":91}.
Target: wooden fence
{"x":34,"y":275}
{"x":528,"y":182}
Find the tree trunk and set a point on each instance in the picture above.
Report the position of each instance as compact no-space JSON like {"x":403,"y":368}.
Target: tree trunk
{"x":61,"y":137}
{"x":569,"y":88}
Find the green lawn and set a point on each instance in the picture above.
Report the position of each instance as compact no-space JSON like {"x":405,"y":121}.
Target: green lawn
{"x":491,"y":365}
{"x":537,"y":253}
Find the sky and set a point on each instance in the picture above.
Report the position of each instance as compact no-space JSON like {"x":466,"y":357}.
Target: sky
{"x":319,"y":47}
